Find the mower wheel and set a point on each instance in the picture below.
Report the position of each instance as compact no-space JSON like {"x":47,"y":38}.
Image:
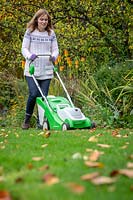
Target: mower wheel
{"x":46,"y":125}
{"x":65,"y":127}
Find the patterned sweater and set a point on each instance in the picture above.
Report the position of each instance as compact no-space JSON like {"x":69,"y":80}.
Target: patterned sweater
{"x":40,"y":43}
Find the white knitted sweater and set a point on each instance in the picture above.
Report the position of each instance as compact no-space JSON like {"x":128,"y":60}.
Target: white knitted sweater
{"x":40,"y":43}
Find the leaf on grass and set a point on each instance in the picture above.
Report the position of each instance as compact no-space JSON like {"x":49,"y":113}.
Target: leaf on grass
{"x":41,"y":133}
{"x":95,"y":155}
{"x":47,"y":134}
{"x":50,"y":179}
{"x":2,"y":178}
{"x":114,"y":173}
{"x":90,"y":176}
{"x":76,"y":188}
{"x":124,"y":147}
{"x":100,"y":180}
{"x":77,"y":156}
{"x":30,"y":166}
{"x":99,"y":134}
{"x":44,"y":145}
{"x":93,"y":139}
{"x":126,"y":172}
{"x":43,"y":168}
{"x":130,"y":157}
{"x":19,"y":180}
{"x":4,"y":195}
{"x":104,"y":145}
{"x":94,"y":164}
{"x":37,"y":158}
{"x":130,"y":165}
{"x":125,"y":136}
{"x":115,"y":133}
{"x":89,"y":150}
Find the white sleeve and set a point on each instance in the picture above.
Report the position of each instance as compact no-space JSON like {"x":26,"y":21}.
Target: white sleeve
{"x":26,"y":45}
{"x":54,"y":47}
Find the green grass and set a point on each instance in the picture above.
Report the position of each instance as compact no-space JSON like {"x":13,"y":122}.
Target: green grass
{"x":22,"y":177}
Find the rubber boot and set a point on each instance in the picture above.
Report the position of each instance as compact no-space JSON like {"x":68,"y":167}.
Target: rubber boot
{"x":26,"y":124}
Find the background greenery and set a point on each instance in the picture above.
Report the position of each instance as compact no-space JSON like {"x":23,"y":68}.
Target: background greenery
{"x":95,"y":59}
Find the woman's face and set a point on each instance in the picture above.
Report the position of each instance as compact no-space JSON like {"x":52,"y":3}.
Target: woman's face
{"x":42,"y":22}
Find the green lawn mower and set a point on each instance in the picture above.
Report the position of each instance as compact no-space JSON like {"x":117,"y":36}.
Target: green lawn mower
{"x":57,"y":112}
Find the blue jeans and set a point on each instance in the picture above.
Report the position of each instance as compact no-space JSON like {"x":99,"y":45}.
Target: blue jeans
{"x":34,"y":92}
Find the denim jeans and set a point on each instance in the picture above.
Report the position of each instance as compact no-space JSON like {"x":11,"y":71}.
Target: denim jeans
{"x":34,"y":92}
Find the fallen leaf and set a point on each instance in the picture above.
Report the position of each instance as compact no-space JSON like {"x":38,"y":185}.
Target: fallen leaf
{"x":104,"y":145}
{"x":115,"y":132}
{"x":124,"y":147}
{"x":2,"y":178}
{"x":77,"y":156}
{"x":130,"y":156}
{"x":89,"y":150}
{"x":114,"y":173}
{"x":37,"y":158}
{"x":94,"y":164}
{"x":41,"y":133}
{"x":50,"y":179}
{"x":76,"y":188}
{"x":47,"y":134}
{"x":19,"y":180}
{"x":90,"y":176}
{"x":130,"y":165}
{"x":30,"y":166}
{"x":95,"y":155}
{"x":45,"y":167}
{"x":93,"y":139}
{"x":44,"y":145}
{"x":100,"y":180}
{"x":4,"y":195}
{"x":125,"y":136}
{"x":126,"y":172}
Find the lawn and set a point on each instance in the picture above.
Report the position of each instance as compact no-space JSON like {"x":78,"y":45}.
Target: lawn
{"x":70,"y":165}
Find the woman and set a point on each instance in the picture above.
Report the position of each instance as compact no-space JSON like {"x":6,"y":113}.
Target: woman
{"x":39,"y":39}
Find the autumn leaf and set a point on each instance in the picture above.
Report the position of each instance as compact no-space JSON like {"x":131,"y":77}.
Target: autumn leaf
{"x":89,"y":150}
{"x":104,"y":145}
{"x":19,"y":180}
{"x":47,"y":134}
{"x":37,"y":158}
{"x":124,"y":147}
{"x":130,"y":165}
{"x":50,"y":179}
{"x":126,"y":172}
{"x":77,"y":156}
{"x":100,"y":180}
{"x":114,"y":173}
{"x":94,"y":164}
{"x":76,"y":188}
{"x":45,"y":167}
{"x":115,"y":133}
{"x":95,"y":155}
{"x":90,"y":176}
{"x":4,"y":195}
{"x":44,"y":145}
{"x":93,"y":139}
{"x":30,"y":166}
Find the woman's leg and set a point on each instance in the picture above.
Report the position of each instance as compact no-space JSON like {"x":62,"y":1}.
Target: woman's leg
{"x":33,"y":93}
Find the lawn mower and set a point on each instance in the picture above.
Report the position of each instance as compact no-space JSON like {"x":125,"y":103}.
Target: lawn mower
{"x":57,"y":112}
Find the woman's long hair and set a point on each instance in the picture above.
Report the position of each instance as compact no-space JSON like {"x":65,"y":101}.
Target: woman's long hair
{"x":33,"y":23}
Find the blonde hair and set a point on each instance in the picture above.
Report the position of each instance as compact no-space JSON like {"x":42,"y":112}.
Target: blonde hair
{"x":33,"y":23}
